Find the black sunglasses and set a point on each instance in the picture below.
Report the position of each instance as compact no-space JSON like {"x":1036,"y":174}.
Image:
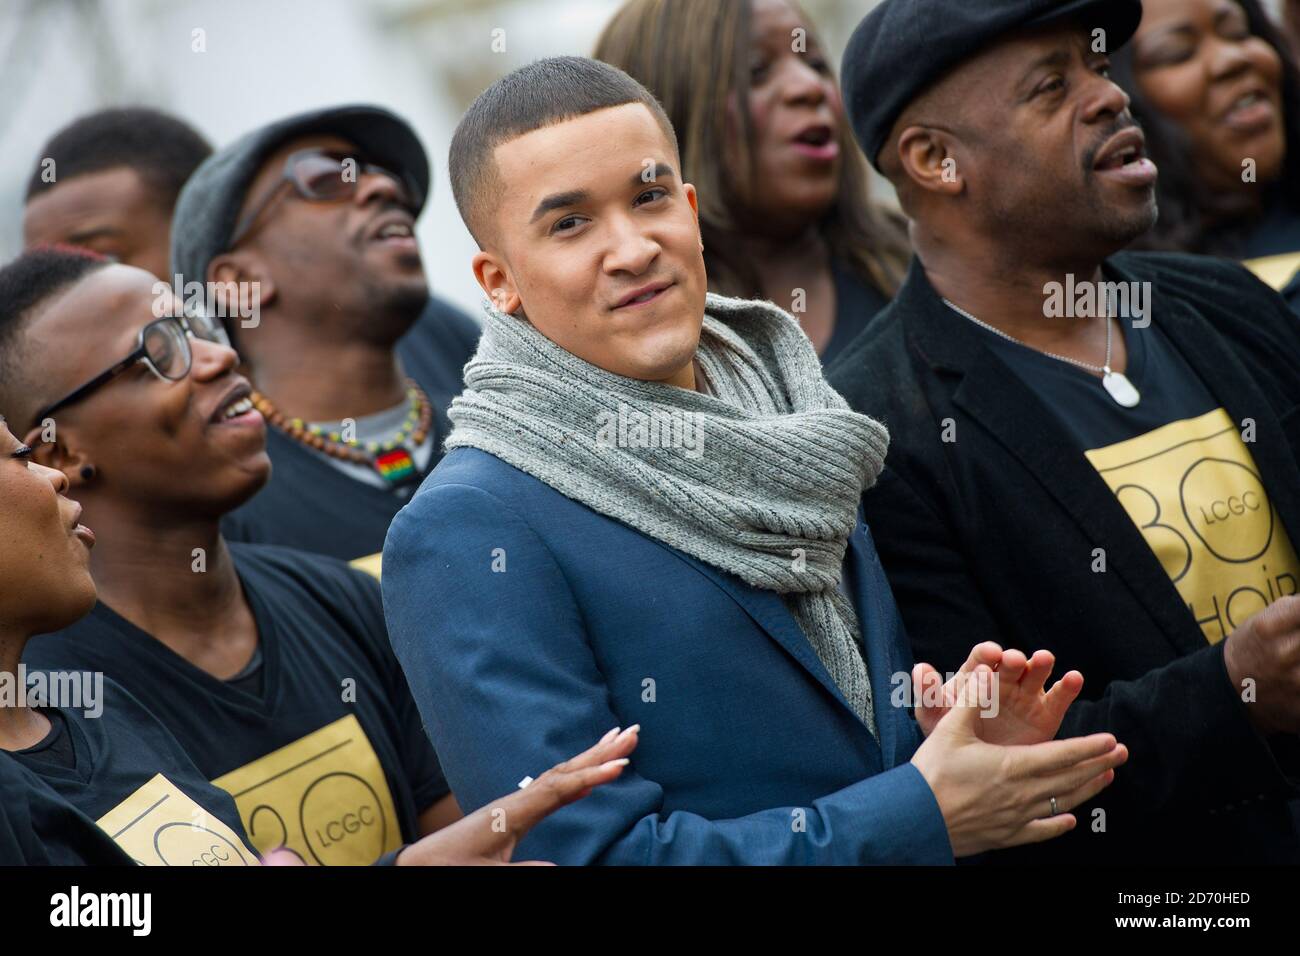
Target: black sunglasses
{"x":321,"y":175}
{"x":162,"y":345}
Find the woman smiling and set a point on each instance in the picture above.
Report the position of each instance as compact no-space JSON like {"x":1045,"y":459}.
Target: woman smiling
{"x":1217,"y":90}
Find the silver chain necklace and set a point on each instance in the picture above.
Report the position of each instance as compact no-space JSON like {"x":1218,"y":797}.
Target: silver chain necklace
{"x":1116,"y":384}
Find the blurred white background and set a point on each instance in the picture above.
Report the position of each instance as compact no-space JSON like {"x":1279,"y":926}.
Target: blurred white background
{"x":424,"y":59}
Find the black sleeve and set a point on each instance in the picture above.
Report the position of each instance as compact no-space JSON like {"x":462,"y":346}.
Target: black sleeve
{"x":40,"y":828}
{"x":390,"y":858}
{"x":1177,"y":720}
{"x":419,"y":760}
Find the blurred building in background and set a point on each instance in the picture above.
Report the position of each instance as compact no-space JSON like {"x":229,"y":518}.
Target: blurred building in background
{"x":226,"y":66}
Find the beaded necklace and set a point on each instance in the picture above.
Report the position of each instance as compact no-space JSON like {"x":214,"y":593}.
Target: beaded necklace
{"x":391,"y":458}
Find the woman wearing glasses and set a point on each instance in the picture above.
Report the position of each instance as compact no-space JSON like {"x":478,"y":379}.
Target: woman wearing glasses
{"x":271,"y":667}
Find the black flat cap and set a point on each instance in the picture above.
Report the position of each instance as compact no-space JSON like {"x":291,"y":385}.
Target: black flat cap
{"x":209,"y":204}
{"x":903,"y":46}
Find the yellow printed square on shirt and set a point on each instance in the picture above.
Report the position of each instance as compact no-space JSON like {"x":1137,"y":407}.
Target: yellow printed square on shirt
{"x":324,"y":797}
{"x":159,"y":825}
{"x":1194,"y":492}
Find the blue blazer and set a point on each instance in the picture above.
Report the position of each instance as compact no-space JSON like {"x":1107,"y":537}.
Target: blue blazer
{"x":528,"y":625}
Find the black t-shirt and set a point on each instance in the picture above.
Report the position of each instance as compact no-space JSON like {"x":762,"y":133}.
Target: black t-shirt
{"x":57,"y":747}
{"x":1182,"y":470}
{"x":40,"y":828}
{"x":132,"y":777}
{"x":856,"y":304}
{"x":311,"y":504}
{"x":331,"y":760}
{"x":251,"y":678}
{"x":1170,"y":388}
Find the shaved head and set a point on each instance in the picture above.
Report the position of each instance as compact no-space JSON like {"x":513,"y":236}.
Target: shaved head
{"x":29,"y":286}
{"x":541,"y":94}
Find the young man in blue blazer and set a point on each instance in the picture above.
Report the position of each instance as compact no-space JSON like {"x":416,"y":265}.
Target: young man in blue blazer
{"x":648,"y":515}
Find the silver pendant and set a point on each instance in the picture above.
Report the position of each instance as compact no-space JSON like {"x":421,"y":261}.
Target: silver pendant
{"x":1121,"y":389}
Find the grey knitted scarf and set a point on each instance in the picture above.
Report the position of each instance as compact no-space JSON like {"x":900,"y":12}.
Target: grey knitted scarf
{"x":760,"y":476}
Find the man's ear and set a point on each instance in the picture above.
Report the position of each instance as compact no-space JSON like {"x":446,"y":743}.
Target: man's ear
{"x":230,"y":269}
{"x":494,"y":279}
{"x":928,"y":158}
{"x":58,"y":455}
{"x":693,"y":198}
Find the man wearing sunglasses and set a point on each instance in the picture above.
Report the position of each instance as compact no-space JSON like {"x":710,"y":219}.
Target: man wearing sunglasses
{"x":352,"y":363}
{"x":271,"y":666}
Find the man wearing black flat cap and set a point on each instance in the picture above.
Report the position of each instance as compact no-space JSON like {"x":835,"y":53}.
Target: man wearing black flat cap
{"x":1095,"y":452}
{"x":352,"y":361}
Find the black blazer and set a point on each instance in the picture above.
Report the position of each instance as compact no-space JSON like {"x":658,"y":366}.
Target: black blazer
{"x":991,"y":537}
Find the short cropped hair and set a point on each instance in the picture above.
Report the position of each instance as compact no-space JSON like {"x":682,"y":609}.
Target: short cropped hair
{"x":26,"y":283}
{"x":541,"y":94}
{"x":163,"y":150}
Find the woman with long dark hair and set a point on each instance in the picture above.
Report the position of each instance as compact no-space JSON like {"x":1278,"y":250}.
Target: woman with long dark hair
{"x":1216,"y":87}
{"x":783,"y":198}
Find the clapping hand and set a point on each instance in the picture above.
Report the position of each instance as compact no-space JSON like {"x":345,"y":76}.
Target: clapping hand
{"x":1018,"y":710}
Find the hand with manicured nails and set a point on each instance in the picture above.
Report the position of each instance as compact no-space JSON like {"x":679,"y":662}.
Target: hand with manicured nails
{"x":1025,"y":713}
{"x":480,"y":839}
{"x":995,"y":796}
{"x":1266,"y":649}
{"x":489,"y":834}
